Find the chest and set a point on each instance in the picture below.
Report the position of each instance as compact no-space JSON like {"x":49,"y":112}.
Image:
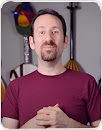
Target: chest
{"x":41,"y":94}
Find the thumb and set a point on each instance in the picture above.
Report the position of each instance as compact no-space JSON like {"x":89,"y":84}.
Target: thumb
{"x":57,"y":105}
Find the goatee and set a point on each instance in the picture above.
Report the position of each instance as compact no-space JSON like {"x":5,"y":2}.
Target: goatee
{"x":49,"y":55}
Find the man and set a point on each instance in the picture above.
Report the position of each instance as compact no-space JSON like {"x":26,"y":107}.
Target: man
{"x":52,"y":96}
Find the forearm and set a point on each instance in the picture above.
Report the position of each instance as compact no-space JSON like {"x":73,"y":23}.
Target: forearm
{"x":31,"y":124}
{"x":26,"y":125}
{"x":75,"y":124}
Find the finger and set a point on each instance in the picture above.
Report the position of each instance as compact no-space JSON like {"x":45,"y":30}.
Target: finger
{"x":55,"y":108}
{"x":45,"y":110}
{"x":42,"y":117}
{"x":57,"y":105}
{"x":43,"y":123}
{"x":52,"y":126}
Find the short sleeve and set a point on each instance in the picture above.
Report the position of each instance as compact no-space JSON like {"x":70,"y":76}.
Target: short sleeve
{"x":10,"y":104}
{"x":94,"y":102}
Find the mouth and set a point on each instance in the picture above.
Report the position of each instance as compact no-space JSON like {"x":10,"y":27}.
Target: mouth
{"x":49,"y":47}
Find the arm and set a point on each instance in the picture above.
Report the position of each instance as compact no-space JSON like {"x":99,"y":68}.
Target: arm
{"x":14,"y":124}
{"x":95,"y":123}
{"x":10,"y":123}
{"x":31,"y":124}
{"x":54,"y":117}
{"x":76,"y":124}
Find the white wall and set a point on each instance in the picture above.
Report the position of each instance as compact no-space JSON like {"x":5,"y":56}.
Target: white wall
{"x":88,"y":37}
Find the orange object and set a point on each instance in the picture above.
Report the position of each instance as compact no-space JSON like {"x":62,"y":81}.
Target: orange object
{"x":72,"y":65}
{"x":23,"y":21}
{"x":2,"y":91}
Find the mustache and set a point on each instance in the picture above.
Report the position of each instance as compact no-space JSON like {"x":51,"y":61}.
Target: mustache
{"x":51,"y":43}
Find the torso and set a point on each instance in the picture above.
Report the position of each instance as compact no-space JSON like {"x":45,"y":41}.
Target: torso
{"x":40,"y":91}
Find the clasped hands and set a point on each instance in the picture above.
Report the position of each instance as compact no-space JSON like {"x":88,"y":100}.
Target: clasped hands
{"x":51,"y":117}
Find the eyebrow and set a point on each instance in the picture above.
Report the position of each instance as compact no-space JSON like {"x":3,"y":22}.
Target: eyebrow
{"x":40,"y":27}
{"x":53,"y":27}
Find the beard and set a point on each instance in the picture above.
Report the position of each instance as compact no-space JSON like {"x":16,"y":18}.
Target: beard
{"x":49,"y":55}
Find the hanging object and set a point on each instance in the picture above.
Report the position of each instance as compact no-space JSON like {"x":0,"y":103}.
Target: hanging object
{"x":72,"y":64}
{"x":2,"y":91}
{"x":27,"y":56}
{"x":22,"y":70}
{"x":23,"y":16}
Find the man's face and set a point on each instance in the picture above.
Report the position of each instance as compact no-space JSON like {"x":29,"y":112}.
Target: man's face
{"x":48,"y":37}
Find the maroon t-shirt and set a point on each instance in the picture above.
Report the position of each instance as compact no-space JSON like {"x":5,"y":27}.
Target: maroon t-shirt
{"x":76,"y":93}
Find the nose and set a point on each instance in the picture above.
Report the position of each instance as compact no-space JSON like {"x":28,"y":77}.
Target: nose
{"x":48,"y":36}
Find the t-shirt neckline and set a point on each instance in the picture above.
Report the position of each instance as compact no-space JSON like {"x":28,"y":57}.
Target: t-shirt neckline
{"x":51,"y":76}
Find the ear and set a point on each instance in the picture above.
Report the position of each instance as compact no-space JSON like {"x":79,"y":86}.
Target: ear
{"x":65,"y":42}
{"x":31,"y":42}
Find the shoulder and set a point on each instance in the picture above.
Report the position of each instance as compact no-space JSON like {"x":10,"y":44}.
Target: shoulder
{"x":85,"y":81}
{"x":80,"y":75}
{"x":21,"y":81}
{"x":25,"y":77}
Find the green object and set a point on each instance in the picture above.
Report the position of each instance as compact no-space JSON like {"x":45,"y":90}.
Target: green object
{"x":23,"y":31}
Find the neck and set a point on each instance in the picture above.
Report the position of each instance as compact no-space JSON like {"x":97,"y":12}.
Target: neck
{"x":51,"y":68}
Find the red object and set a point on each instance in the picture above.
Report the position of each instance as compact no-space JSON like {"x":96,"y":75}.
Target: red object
{"x":26,"y":13}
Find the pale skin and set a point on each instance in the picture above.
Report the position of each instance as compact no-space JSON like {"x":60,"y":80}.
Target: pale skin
{"x":46,"y":28}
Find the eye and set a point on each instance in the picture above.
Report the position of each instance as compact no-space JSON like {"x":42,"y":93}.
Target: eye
{"x":55,"y":32}
{"x":41,"y":32}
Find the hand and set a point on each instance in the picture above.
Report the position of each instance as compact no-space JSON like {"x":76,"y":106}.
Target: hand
{"x":52,"y":117}
{"x":32,"y":123}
